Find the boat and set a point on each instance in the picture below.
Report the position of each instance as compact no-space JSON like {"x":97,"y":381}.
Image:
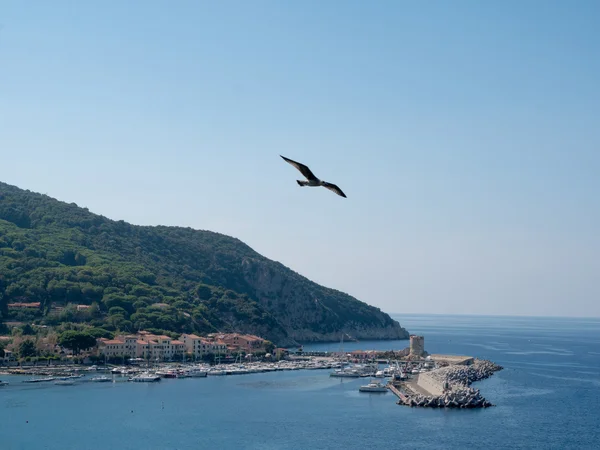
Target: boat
{"x":373,"y":386}
{"x":3,"y":383}
{"x":145,"y":378}
{"x":197,"y":373}
{"x":102,"y":379}
{"x":64,"y":382}
{"x":38,"y":380}
{"x":345,"y":373}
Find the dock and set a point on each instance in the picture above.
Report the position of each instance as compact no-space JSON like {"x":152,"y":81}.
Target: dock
{"x":403,"y":398}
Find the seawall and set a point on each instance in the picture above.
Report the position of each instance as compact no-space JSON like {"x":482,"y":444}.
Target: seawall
{"x":449,"y":387}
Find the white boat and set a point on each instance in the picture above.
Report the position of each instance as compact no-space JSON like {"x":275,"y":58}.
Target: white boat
{"x":345,"y":373}
{"x":373,"y":386}
{"x":3,"y":383}
{"x":38,"y":380}
{"x":145,"y":378}
{"x":197,"y":373}
{"x":380,"y":374}
{"x":216,"y":372}
{"x":102,"y":379}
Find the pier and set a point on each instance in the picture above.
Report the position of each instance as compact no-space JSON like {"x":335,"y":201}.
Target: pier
{"x":447,"y":387}
{"x":402,"y":398}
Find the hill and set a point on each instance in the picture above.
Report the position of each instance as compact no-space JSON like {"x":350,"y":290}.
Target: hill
{"x":166,"y":278}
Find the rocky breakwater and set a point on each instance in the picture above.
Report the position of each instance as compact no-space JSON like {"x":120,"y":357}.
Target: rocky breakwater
{"x":454,"y":384}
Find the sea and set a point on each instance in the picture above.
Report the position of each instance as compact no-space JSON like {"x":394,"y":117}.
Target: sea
{"x":547,"y":397}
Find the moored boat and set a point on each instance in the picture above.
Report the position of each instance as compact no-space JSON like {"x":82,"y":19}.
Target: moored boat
{"x":145,"y":378}
{"x":102,"y":379}
{"x":373,"y":386}
{"x":38,"y":380}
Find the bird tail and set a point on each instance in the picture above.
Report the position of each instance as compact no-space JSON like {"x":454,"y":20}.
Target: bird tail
{"x":301,"y":183}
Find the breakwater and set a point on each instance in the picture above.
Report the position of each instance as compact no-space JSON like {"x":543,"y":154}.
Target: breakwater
{"x":449,"y":387}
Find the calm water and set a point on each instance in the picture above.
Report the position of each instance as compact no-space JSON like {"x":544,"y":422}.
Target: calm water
{"x":548,"y":397}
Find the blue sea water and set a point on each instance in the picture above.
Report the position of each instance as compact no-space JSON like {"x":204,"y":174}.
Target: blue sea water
{"x":547,"y":397}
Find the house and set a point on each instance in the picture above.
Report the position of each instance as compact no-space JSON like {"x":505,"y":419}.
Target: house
{"x":8,"y":356}
{"x":246,"y":342}
{"x":199,"y":346}
{"x":19,"y":305}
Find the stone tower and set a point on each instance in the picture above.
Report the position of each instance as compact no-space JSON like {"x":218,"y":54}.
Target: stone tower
{"x":417,"y":345}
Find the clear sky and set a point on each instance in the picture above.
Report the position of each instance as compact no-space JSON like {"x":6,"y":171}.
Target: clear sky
{"x":466,"y":135}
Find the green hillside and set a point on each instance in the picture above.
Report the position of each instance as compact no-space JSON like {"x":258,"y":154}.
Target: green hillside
{"x":167,"y":278}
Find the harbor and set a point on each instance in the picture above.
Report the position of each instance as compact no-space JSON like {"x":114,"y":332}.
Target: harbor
{"x":415,"y":377}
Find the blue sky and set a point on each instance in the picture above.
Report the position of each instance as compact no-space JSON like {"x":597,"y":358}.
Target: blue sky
{"x":464,"y":133}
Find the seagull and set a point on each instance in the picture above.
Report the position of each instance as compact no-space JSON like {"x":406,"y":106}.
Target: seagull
{"x":312,"y":180}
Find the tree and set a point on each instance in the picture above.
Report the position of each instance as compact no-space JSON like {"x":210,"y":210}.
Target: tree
{"x":1,"y":350}
{"x":204,"y":292}
{"x":27,"y":348}
{"x":28,"y":330}
{"x":269,"y":347}
{"x":76,"y":341}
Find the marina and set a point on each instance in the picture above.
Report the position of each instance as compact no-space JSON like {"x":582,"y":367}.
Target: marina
{"x":417,"y":378}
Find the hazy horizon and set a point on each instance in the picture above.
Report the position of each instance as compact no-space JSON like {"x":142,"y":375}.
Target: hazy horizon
{"x":464,"y":135}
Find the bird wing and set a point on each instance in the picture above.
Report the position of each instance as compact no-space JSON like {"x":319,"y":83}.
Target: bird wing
{"x":334,"y":188}
{"x":302,"y":168}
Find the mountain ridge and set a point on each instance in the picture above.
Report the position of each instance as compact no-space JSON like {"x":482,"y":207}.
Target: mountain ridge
{"x":58,"y":253}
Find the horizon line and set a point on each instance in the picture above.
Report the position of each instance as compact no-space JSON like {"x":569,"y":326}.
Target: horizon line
{"x":496,"y":315}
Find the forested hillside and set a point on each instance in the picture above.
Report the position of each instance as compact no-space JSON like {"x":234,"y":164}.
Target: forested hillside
{"x":166,"y":278}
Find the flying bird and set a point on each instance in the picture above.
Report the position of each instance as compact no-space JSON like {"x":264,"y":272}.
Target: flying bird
{"x":312,"y":180}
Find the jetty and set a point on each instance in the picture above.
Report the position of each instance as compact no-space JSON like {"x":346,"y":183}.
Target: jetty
{"x":446,"y":387}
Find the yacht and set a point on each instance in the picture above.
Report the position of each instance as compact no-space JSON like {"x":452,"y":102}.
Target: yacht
{"x":145,"y":378}
{"x":345,"y":373}
{"x":38,"y":380}
{"x":197,"y":373}
{"x":102,"y":379}
{"x":373,"y":386}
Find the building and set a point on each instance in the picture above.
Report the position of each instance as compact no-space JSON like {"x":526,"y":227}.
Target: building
{"x":8,"y":356}
{"x":162,"y":348}
{"x":144,"y":345}
{"x":246,"y":342}
{"x":199,"y":346}
{"x":417,"y":345}
{"x":20,"y":305}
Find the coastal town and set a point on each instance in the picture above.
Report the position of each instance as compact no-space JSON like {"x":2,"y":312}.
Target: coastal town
{"x":148,"y":346}
{"x":416,"y":377}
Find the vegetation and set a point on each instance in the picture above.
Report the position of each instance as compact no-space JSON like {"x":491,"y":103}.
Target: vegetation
{"x":76,"y":341}
{"x":99,"y":277}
